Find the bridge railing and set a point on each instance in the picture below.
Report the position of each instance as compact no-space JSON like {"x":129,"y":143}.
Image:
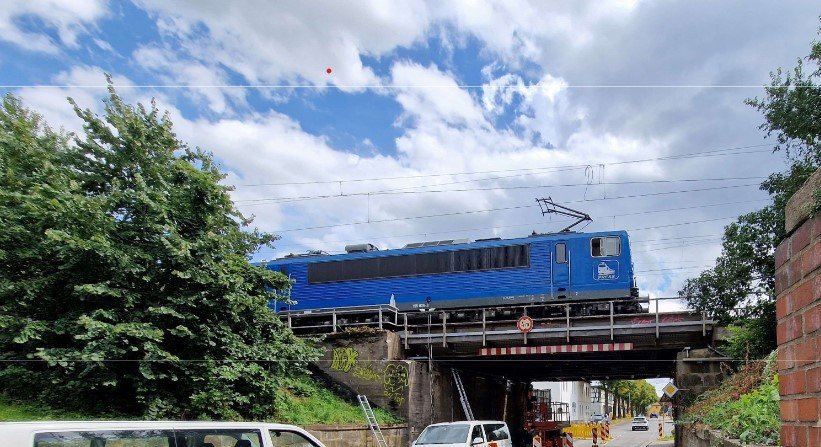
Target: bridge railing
{"x":331,"y":319}
{"x":482,"y":324}
{"x":562,"y":318}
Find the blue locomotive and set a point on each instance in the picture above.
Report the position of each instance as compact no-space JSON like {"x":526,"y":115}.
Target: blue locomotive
{"x":460,"y":274}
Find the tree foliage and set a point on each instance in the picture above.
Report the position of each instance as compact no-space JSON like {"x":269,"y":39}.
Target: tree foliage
{"x":744,"y":274}
{"x":640,"y":393}
{"x":125,"y":282}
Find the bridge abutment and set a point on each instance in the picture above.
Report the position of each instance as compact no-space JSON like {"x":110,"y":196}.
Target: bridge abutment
{"x":420,"y":392}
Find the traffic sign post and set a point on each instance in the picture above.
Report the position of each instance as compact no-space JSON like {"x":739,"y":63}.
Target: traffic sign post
{"x":524,"y":324}
{"x":670,"y":390}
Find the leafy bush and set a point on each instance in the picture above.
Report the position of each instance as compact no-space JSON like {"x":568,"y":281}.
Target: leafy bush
{"x":753,"y":418}
{"x":754,"y":338}
{"x":745,"y":407}
{"x":125,"y":281}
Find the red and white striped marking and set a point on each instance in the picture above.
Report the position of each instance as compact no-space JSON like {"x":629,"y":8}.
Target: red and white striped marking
{"x":557,"y":349}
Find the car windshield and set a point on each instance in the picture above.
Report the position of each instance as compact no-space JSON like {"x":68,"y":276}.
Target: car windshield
{"x":444,"y":434}
{"x":638,"y":419}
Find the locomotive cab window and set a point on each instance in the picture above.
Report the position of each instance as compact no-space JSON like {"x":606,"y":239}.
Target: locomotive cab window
{"x":605,"y":246}
{"x":561,"y":253}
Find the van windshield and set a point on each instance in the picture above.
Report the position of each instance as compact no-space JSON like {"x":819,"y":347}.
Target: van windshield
{"x":444,"y":434}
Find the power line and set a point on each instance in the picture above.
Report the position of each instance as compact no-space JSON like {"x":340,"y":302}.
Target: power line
{"x":370,"y":238}
{"x":694,"y":244}
{"x":459,"y":213}
{"x":494,"y":188}
{"x":709,"y":153}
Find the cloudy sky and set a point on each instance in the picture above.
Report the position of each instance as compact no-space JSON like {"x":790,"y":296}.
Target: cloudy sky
{"x":442,"y":120}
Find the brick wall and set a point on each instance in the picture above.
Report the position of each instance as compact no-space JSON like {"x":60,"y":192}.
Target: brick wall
{"x":798,"y":308}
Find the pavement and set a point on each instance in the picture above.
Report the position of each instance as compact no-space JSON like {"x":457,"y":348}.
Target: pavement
{"x":624,"y":437}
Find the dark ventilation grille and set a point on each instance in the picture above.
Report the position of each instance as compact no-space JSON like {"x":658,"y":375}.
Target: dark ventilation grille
{"x":477,"y":259}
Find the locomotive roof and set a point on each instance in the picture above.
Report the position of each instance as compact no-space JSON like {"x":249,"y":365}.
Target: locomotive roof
{"x":439,"y":248}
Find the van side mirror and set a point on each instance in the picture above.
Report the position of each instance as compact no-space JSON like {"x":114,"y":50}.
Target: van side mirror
{"x":477,"y":440}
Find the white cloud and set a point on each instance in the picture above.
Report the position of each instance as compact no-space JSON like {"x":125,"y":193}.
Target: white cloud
{"x":69,"y":19}
{"x":204,"y":81}
{"x":429,"y":95}
{"x":276,"y":42}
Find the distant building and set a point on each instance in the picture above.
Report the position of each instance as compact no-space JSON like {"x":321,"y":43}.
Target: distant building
{"x":582,"y":398}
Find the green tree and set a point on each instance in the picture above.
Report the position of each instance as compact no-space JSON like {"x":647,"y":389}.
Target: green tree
{"x":125,"y":281}
{"x":744,"y":274}
{"x":640,"y":393}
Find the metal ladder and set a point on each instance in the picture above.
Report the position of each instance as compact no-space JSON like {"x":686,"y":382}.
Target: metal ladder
{"x":371,"y":418}
{"x":463,"y":397}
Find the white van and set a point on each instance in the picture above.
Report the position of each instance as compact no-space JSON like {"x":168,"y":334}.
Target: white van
{"x":153,"y":434}
{"x":465,"y":434}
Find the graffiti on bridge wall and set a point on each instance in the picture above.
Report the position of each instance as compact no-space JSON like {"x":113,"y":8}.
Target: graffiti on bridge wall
{"x":344,"y":359}
{"x":395,"y":379}
{"x":393,"y":376}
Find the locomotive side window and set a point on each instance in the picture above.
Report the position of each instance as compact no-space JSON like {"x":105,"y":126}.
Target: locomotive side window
{"x":605,"y":246}
{"x":561,"y":253}
{"x":490,"y":258}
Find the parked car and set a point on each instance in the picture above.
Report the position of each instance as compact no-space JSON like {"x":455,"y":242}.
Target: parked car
{"x":640,"y":423}
{"x":154,"y":434}
{"x":465,"y":434}
{"x":596,"y":417}
{"x":654,"y":416}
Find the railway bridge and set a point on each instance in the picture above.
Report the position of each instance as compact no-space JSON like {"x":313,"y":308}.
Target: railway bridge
{"x":404,"y":361}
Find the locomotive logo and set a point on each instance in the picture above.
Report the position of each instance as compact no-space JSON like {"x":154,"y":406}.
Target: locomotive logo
{"x":606,"y":270}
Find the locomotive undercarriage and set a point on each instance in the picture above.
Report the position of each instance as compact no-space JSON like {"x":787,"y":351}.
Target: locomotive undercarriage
{"x":387,"y":317}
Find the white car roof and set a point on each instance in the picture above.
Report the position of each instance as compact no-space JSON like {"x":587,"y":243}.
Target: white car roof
{"x":24,"y":431}
{"x":467,"y":422}
{"x":106,"y":425}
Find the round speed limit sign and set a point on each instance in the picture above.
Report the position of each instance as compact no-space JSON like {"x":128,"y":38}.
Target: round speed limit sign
{"x":525,"y":324}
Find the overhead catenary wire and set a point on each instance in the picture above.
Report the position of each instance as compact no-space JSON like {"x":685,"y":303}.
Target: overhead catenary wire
{"x":372,"y":238}
{"x":459,"y":213}
{"x":708,"y":153}
{"x":402,"y":191}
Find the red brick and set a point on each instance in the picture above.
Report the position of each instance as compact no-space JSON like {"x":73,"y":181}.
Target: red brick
{"x":789,"y":435}
{"x":794,"y":271}
{"x":792,"y":383}
{"x":816,"y":286}
{"x":814,"y":435}
{"x":813,"y":380}
{"x":811,"y":258}
{"x":801,"y":238}
{"x":789,"y":329}
{"x":786,"y":358}
{"x":816,"y":228}
{"x":781,"y":333}
{"x":789,"y":410}
{"x":816,"y":280}
{"x":802,"y":296}
{"x":801,"y":436}
{"x":781,"y":280}
{"x":808,"y":409}
{"x":783,"y":306}
{"x":812,"y":319}
{"x":806,"y":351}
{"x":782,"y":254}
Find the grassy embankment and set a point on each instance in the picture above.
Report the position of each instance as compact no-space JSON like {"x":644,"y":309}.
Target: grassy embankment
{"x":745,"y":406}
{"x":303,"y":400}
